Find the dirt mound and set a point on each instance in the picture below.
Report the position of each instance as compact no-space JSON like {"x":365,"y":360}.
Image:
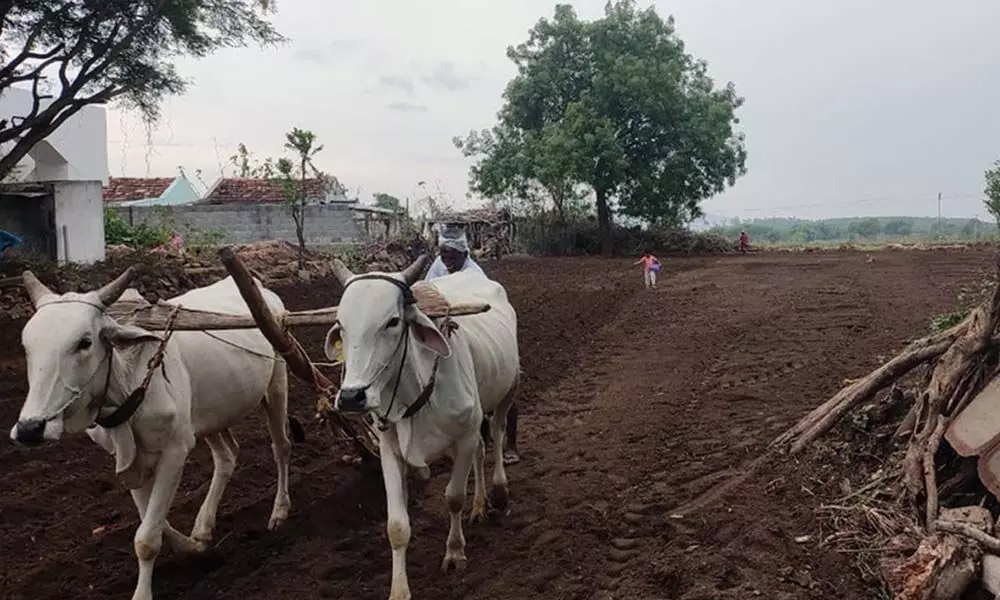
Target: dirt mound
{"x":387,"y":256}
{"x":161,"y":275}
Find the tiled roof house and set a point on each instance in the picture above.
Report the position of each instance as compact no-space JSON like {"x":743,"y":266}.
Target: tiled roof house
{"x":149,"y":191}
{"x":247,"y":190}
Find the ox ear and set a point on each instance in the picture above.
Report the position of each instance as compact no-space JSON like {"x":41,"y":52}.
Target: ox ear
{"x":125,"y":336}
{"x":429,"y":335}
{"x":331,"y":347}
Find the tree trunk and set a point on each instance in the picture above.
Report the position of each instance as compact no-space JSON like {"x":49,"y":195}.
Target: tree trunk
{"x":604,"y":223}
{"x":299,"y":217}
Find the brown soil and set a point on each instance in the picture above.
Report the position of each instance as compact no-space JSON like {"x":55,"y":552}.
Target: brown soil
{"x":635,"y":404}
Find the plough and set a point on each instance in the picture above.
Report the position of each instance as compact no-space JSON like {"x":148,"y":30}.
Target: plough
{"x":276,"y":328}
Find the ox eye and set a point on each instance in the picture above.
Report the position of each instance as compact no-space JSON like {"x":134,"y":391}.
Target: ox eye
{"x":84,"y":344}
{"x":393,"y":322}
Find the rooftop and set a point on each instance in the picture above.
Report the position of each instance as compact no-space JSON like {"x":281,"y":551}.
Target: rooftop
{"x":124,"y":189}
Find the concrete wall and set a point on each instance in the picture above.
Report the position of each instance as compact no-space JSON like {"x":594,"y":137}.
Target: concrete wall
{"x":79,"y":221}
{"x":243,"y":223}
{"x":76,"y":151}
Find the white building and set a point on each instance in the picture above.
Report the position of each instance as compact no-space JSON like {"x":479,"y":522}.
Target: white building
{"x":54,"y":201}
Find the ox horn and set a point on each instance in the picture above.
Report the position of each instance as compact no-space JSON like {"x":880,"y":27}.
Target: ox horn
{"x":341,"y":271}
{"x":413,"y":272}
{"x":110,"y":293}
{"x":35,"y":288}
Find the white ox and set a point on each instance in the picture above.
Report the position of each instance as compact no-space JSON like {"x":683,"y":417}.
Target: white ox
{"x":391,"y":350}
{"x":83,"y":365}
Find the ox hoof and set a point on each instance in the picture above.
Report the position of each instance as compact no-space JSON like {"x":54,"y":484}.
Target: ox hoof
{"x":478,"y":514}
{"x":500,"y":499}
{"x":454,"y":559}
{"x":190,"y":545}
{"x":276,"y":521}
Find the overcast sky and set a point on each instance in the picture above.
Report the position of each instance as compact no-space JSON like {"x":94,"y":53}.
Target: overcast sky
{"x":853,"y":107}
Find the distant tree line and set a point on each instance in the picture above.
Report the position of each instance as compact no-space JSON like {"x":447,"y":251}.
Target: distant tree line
{"x":800,"y":231}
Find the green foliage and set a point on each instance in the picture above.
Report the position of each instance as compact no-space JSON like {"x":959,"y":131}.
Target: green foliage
{"x":992,"y":191}
{"x":614,"y":106}
{"x":142,"y":236}
{"x":546,"y":234}
{"x":110,"y":50}
{"x":801,"y":231}
{"x":388,"y":201}
{"x":898,"y":227}
{"x":947,"y":320}
{"x":868,"y":228}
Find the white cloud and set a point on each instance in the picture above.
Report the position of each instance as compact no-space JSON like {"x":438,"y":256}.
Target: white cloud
{"x":852,"y":106}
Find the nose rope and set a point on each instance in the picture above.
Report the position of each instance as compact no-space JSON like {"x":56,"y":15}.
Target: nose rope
{"x":77,"y":393}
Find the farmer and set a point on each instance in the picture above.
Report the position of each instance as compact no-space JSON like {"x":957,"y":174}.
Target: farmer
{"x":744,"y":242}
{"x":454,"y":257}
{"x":650,"y":266}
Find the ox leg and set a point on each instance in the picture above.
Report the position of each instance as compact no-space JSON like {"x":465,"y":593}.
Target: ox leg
{"x":276,"y":408}
{"x":478,"y":512}
{"x":178,"y":541}
{"x":498,"y":430}
{"x":224,"y":452}
{"x":149,"y":535}
{"x":466,"y":453}
{"x":398,"y":519}
{"x":510,"y":453}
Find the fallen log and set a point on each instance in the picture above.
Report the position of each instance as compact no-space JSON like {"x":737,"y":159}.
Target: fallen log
{"x":824,"y":417}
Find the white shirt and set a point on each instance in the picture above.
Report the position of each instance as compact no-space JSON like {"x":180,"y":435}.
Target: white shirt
{"x":439,"y":270}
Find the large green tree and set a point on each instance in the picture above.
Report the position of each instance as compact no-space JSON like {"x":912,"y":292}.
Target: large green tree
{"x":618,"y":106}
{"x":73,"y":53}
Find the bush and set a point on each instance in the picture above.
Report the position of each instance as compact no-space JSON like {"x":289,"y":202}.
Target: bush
{"x":546,"y":236}
{"x":142,"y":236}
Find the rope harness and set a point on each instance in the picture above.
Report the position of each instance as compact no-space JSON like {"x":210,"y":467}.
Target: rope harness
{"x":126,"y":409}
{"x":408,"y":299}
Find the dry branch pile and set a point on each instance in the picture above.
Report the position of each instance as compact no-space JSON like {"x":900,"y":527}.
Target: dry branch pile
{"x":490,"y":231}
{"x":953,"y":402}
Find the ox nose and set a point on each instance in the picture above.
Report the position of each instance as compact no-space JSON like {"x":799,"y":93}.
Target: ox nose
{"x":30,"y":431}
{"x":352,"y":400}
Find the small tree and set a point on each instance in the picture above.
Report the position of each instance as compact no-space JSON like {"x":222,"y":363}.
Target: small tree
{"x":293,"y":175}
{"x":992,"y":191}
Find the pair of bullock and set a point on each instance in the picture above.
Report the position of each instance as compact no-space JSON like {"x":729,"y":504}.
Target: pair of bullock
{"x":429,"y":390}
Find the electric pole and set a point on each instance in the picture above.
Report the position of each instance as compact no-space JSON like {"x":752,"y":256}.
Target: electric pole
{"x":940,"y":227}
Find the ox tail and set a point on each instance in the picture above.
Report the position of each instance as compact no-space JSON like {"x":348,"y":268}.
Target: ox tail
{"x":298,"y":432}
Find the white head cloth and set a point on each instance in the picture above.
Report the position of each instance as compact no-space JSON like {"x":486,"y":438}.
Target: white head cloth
{"x":454,"y":239}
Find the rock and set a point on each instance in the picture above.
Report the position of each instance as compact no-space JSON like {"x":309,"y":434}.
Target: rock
{"x":976,"y":516}
{"x":941,"y":569}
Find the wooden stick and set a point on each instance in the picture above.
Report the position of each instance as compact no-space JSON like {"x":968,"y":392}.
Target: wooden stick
{"x":930,"y":471}
{"x":964,"y":529}
{"x":826,"y":416}
{"x":154,"y":317}
{"x":295,"y":356}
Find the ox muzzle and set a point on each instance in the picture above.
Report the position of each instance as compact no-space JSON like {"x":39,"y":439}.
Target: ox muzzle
{"x":34,"y":431}
{"x":353,"y":400}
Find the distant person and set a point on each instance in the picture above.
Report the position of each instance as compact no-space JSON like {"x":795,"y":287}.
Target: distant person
{"x":453,"y":256}
{"x":650,"y":267}
{"x":744,"y":242}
